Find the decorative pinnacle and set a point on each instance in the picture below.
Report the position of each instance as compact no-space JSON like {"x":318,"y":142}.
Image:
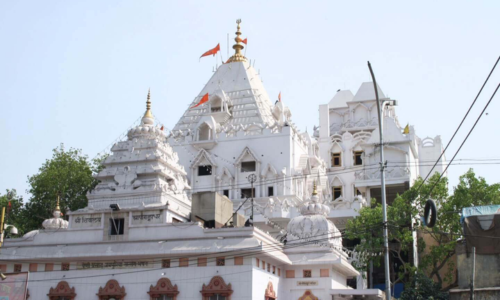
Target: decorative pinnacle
{"x":315,"y":191}
{"x":148,"y":113}
{"x":238,"y":46}
{"x":58,"y":208}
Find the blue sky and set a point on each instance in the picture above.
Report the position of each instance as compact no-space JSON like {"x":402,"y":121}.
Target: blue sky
{"x":77,"y":72}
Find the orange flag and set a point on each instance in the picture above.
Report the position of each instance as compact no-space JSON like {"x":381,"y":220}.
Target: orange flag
{"x":279,"y":97}
{"x":245,"y":41}
{"x":211,"y":51}
{"x":203,"y":100}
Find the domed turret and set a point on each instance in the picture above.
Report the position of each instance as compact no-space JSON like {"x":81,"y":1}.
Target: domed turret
{"x":56,"y":222}
{"x":147,"y":129}
{"x":313,"y":225}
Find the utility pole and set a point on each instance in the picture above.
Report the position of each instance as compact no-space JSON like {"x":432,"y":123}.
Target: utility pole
{"x":1,"y":226}
{"x":473,"y":273}
{"x":252,"y":178}
{"x":382,"y":188}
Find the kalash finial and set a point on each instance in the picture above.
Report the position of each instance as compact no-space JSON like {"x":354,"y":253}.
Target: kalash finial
{"x":58,"y":208}
{"x":148,"y":116}
{"x":315,"y":191}
{"x":238,"y":56}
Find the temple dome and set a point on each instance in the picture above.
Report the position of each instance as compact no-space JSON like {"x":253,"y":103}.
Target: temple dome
{"x":147,"y":129}
{"x":56,"y":222}
{"x":313,"y":224}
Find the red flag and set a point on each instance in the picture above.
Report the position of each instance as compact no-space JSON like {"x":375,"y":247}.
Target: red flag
{"x":279,"y":97}
{"x":203,"y":100}
{"x":245,"y":41}
{"x":211,"y":51}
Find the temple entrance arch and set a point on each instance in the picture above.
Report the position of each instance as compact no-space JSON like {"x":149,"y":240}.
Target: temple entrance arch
{"x":308,"y":295}
{"x":62,"y":292}
{"x":216,"y":289}
{"x":112,"y":291}
{"x":164,"y":290}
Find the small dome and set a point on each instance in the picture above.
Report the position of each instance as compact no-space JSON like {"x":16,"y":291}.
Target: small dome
{"x":56,"y":222}
{"x":313,"y":224}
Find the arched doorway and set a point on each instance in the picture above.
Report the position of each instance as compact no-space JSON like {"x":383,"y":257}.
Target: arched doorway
{"x":112,"y":291}
{"x":270,"y":293}
{"x":216,"y":289}
{"x":62,"y":292}
{"x":164,"y":290}
{"x":308,"y":295}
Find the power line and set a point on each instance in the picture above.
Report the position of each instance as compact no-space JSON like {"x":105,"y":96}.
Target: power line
{"x":251,"y":253}
{"x":465,"y":139}
{"x":460,"y":125}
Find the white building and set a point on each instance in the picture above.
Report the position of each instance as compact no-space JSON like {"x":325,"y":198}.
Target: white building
{"x":135,"y":241}
{"x":240,"y":131}
{"x":138,"y":237}
{"x":348,"y":138}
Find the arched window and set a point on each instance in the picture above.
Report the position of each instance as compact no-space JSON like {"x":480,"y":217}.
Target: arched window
{"x":270,"y":292}
{"x":112,"y":291}
{"x":216,"y":290}
{"x":62,"y":292}
{"x":204,"y":132}
{"x":336,"y":155}
{"x":164,"y":290}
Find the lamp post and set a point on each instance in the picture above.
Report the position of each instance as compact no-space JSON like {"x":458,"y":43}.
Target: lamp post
{"x":380,"y":107}
{"x":252,"y":178}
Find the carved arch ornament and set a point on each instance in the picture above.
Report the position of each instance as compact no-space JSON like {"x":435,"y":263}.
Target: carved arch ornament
{"x":112,"y":289}
{"x":270,"y":293}
{"x":216,"y":286}
{"x":163,"y":287}
{"x":308,"y":295}
{"x":62,"y":290}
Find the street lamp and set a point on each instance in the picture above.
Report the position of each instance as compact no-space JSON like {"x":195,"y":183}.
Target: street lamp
{"x":380,"y":107}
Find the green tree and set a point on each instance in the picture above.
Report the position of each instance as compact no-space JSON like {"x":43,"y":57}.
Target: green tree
{"x":421,"y":287}
{"x":14,"y":213}
{"x":404,"y":218}
{"x":439,"y":252}
{"x":68,"y":174}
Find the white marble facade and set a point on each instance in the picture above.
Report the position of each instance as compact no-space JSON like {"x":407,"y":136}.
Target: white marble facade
{"x":306,"y":188}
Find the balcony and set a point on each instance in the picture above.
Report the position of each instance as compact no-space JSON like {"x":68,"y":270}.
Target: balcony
{"x":371,"y":177}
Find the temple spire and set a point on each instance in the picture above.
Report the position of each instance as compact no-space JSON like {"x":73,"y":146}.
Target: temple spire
{"x":58,"y":208}
{"x":238,"y":56}
{"x":315,"y":190}
{"x":148,"y":116}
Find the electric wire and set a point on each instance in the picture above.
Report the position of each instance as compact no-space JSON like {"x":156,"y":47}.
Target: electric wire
{"x":465,"y":140}
{"x":461,"y":122}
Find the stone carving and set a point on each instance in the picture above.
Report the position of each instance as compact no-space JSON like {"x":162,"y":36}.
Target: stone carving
{"x":62,"y":291}
{"x":112,"y":289}
{"x":216,"y":286}
{"x":125,"y":180}
{"x":163,"y":287}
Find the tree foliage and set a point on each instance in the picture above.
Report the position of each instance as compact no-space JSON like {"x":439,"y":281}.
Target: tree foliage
{"x":67,"y":174}
{"x":421,"y":287}
{"x":404,"y":219}
{"x":14,"y":213}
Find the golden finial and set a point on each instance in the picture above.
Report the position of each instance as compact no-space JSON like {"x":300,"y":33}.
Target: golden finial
{"x":57,"y":205}
{"x":148,"y":113}
{"x":238,"y":56}
{"x":315,"y":191}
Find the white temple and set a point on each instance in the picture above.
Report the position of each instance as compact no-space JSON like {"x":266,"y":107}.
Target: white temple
{"x":138,"y":238}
